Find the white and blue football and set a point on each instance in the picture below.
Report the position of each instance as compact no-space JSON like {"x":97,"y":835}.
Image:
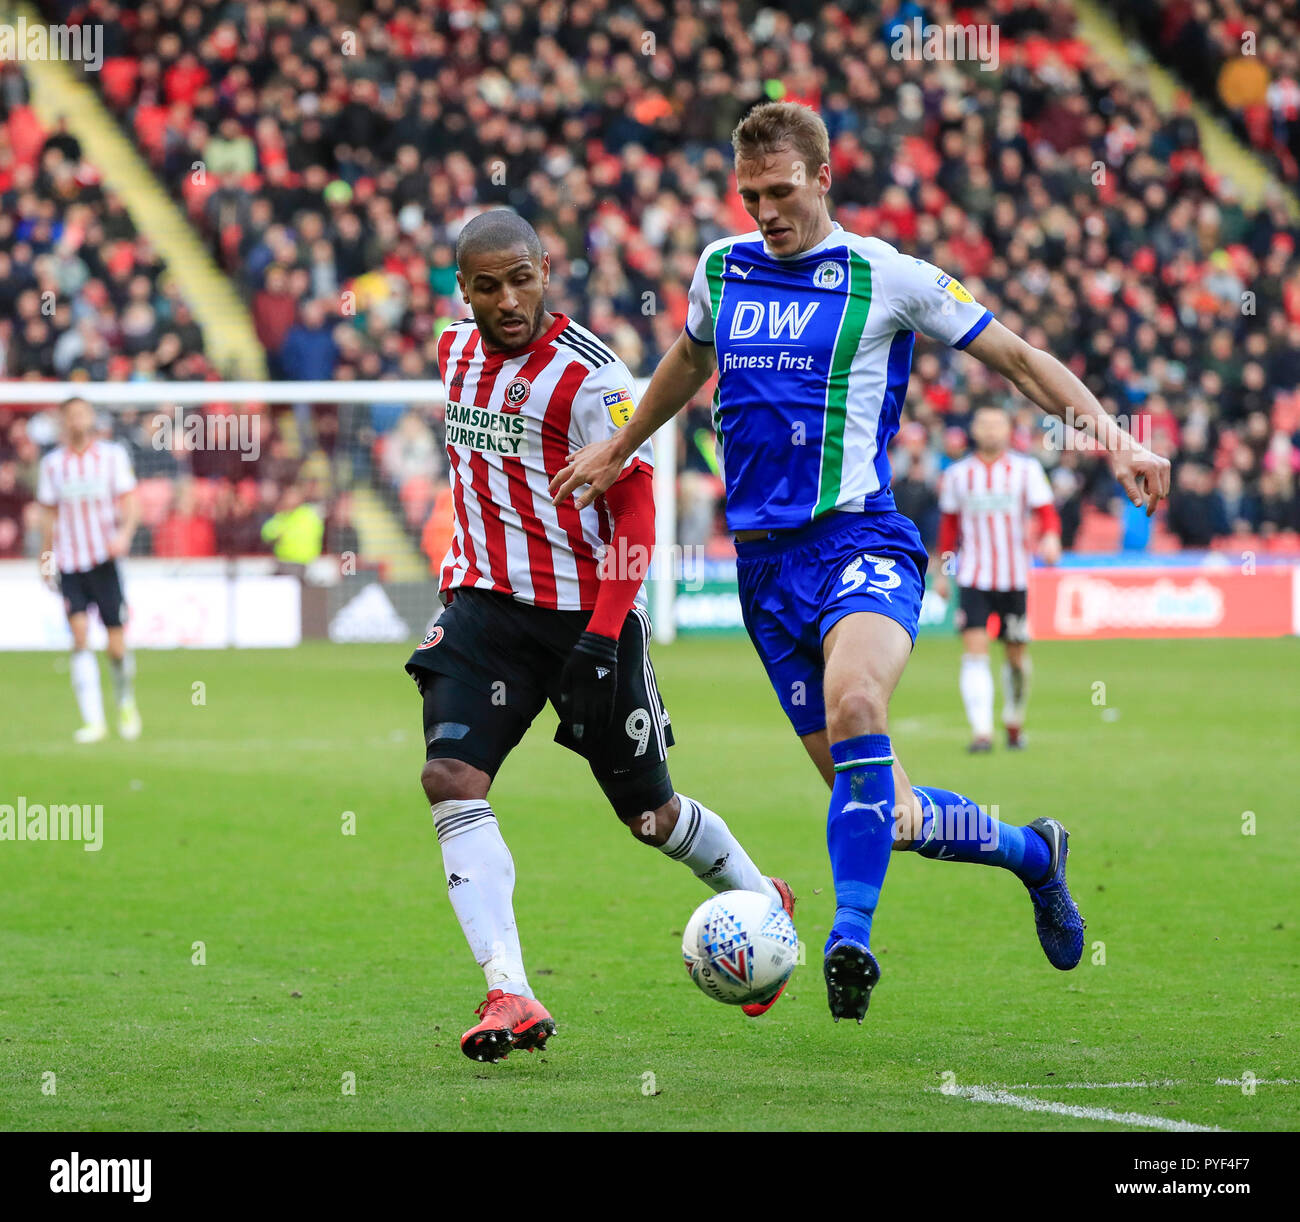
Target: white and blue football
{"x":740,"y":947}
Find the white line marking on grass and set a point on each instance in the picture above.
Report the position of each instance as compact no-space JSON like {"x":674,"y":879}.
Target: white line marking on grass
{"x":1154,"y":1084}
{"x":1091,"y":1085}
{"x":982,"y":1094}
{"x":1258,"y":1082}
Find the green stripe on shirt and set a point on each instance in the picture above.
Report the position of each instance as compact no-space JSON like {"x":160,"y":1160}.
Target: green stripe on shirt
{"x":837,"y":383}
{"x":713,"y":273}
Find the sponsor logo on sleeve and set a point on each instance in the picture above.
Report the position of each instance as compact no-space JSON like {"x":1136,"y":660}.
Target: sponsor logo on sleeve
{"x":620,"y":405}
{"x":955,"y":287}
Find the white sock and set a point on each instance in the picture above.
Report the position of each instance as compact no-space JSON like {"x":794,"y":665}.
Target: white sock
{"x":704,"y":843}
{"x":977,"y":693}
{"x":85,"y":682}
{"x":123,"y":672}
{"x":1015,"y":692}
{"x":480,"y":885}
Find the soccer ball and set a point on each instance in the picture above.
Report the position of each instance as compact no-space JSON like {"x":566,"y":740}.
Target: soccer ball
{"x":740,"y":947}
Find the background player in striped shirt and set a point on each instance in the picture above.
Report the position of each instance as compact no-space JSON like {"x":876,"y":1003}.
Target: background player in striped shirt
{"x":985,"y":500}
{"x":811,"y":331}
{"x":542,"y":603}
{"x":86,"y":490}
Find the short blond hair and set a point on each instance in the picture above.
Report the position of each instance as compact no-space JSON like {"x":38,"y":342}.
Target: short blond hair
{"x":778,"y":125}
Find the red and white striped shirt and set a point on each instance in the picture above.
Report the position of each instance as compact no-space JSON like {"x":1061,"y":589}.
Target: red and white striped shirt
{"x":992,"y":501}
{"x":512,"y":421}
{"x":84,"y":487}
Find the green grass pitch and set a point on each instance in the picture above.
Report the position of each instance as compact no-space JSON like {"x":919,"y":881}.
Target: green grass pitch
{"x":328,"y":955}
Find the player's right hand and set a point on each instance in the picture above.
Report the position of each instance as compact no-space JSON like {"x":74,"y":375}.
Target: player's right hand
{"x":49,"y":574}
{"x":598,"y":465}
{"x":942,"y":586}
{"x":1143,"y":475}
{"x":588,"y":685}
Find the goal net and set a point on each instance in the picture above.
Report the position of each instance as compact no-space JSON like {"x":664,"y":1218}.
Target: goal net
{"x":269,"y":512}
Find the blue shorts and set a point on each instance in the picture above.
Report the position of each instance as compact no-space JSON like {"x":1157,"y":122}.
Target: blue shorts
{"x":795,"y":587}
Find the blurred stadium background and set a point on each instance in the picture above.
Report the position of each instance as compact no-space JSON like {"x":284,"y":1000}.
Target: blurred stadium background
{"x":249,"y":191}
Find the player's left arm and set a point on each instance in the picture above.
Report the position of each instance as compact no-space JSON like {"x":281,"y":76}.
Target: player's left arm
{"x":1047,"y":383}
{"x":128,"y":508}
{"x":589,"y":681}
{"x":1039,"y":499}
{"x":128,"y":512}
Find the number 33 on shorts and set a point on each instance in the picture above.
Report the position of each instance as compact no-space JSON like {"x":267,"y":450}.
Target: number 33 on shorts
{"x":884,"y":580}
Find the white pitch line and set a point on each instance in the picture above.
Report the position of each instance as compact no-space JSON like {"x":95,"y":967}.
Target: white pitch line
{"x":981,"y":1094}
{"x":1154,"y":1084}
{"x":1090,"y":1085}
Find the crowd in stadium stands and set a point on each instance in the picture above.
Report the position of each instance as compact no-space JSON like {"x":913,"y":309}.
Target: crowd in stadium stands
{"x":330,"y":161}
{"x":1243,"y":55}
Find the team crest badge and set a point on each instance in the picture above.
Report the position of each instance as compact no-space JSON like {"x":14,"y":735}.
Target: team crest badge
{"x":517,"y":391}
{"x":435,"y":635}
{"x":828,"y":275}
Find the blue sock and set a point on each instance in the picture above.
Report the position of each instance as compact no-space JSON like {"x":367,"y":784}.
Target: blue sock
{"x":953,"y":828}
{"x":859,"y":831}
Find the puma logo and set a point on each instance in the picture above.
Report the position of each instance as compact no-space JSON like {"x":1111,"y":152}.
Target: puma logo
{"x":874,"y":807}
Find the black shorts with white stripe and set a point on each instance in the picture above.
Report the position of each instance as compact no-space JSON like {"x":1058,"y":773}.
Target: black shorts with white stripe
{"x":490,"y":665}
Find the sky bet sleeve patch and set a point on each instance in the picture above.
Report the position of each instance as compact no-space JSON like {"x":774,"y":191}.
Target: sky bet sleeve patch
{"x":619,"y":405}
{"x":955,"y":287}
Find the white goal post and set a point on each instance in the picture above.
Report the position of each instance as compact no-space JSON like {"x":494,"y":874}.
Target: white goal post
{"x":138,"y":395}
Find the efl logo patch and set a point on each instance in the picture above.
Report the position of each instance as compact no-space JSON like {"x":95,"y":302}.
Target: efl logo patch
{"x":517,"y":391}
{"x":619,"y":405}
{"x":432,"y":639}
{"x":955,"y":287}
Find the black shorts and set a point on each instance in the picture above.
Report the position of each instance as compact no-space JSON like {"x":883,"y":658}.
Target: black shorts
{"x":977,"y":605}
{"x":491,"y":663}
{"x":102,"y":586}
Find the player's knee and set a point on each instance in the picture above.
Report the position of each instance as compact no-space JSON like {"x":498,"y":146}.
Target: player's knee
{"x":862,"y":708}
{"x":447,"y":780}
{"x":655,"y":826}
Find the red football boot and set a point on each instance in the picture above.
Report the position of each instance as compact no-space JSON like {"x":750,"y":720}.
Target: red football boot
{"x":754,"y":1009}
{"x":509,"y":1021}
